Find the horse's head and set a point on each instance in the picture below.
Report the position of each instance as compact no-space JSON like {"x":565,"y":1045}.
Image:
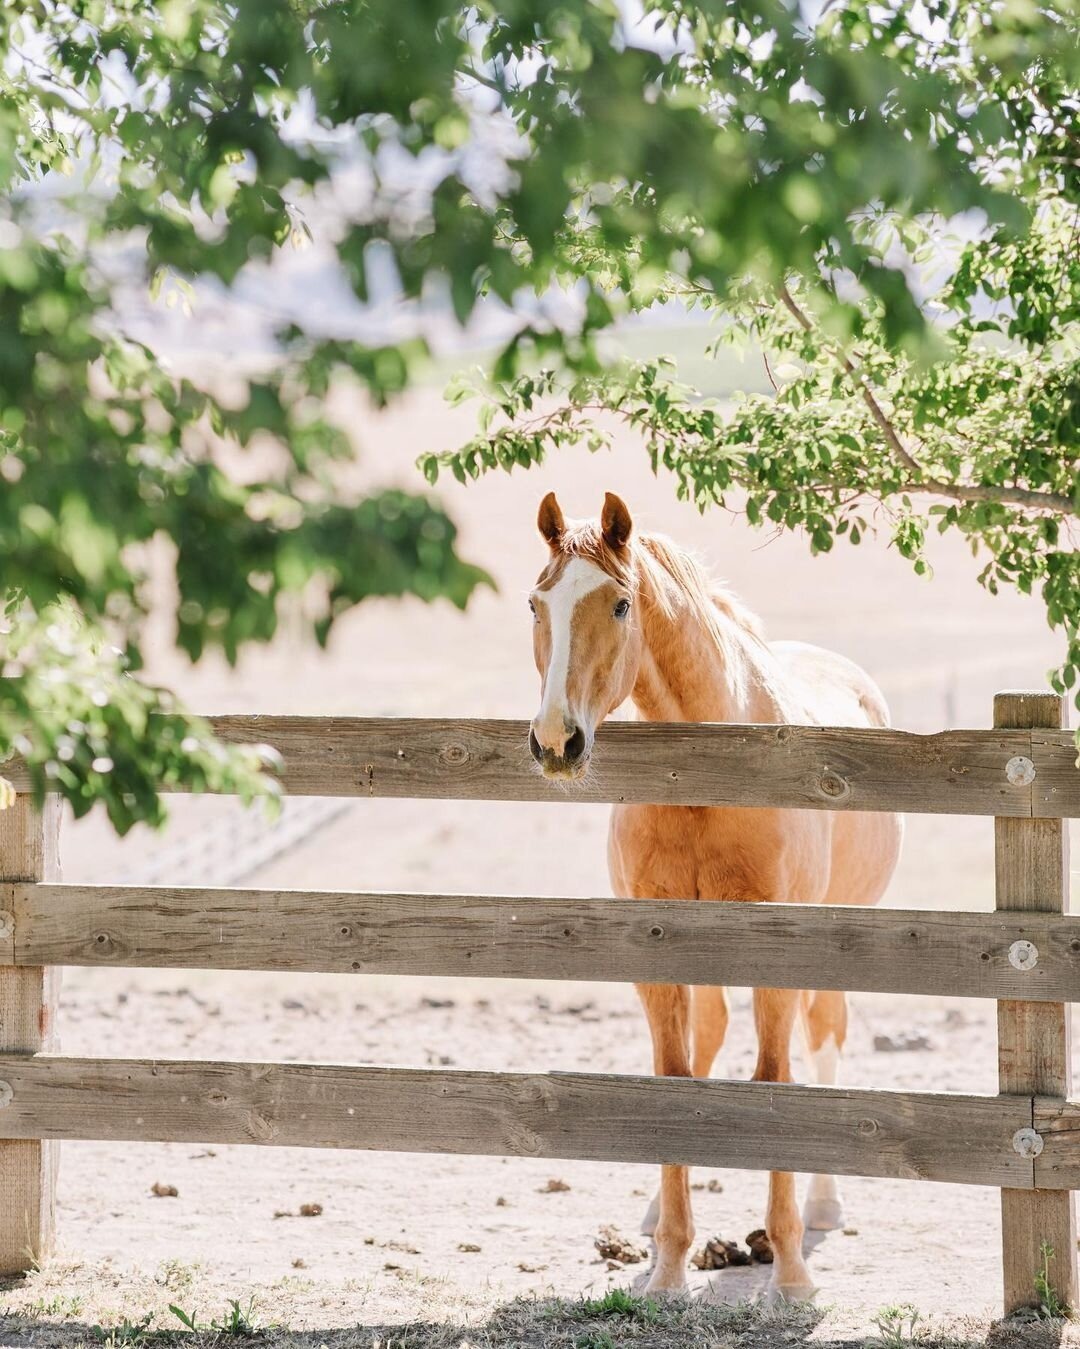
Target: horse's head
{"x":586,"y":639}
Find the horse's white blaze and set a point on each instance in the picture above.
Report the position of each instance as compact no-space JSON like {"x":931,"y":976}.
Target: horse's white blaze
{"x":577,"y":580}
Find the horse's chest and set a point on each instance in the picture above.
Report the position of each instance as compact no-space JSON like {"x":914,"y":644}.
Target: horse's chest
{"x":695,"y":853}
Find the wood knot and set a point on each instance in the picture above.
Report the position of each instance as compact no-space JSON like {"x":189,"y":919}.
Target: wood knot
{"x":656,"y":931}
{"x":521,"y":1141}
{"x":260,"y":1129}
{"x":868,"y":1127}
{"x":833,"y":785}
{"x":537,"y":1091}
{"x":454,"y":754}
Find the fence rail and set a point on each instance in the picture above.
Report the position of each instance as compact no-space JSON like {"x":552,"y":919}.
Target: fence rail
{"x":1026,"y":955}
{"x":591,"y":1116}
{"x":688,"y":764}
{"x":1030,"y":956}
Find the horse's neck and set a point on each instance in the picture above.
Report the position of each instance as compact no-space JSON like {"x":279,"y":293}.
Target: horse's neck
{"x":686,"y":675}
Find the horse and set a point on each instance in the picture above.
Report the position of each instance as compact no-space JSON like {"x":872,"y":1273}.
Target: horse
{"x":618,"y":616}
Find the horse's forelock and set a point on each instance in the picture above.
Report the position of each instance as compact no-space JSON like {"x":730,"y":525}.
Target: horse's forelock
{"x":582,"y":539}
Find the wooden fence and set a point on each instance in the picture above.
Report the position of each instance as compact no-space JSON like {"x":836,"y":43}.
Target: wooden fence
{"x":1024,"y":1140}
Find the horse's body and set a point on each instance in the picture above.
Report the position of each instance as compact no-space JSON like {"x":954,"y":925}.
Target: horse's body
{"x":620,"y":617}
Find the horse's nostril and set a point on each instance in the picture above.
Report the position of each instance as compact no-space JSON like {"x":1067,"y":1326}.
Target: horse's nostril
{"x":575,"y":746}
{"x":534,"y":746}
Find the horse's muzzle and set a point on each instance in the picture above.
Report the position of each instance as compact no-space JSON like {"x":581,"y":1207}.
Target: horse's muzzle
{"x":568,"y":765}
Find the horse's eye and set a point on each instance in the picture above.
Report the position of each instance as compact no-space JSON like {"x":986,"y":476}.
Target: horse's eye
{"x":621,"y":609}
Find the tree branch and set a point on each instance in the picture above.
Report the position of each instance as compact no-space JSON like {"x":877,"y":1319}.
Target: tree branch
{"x":1002,"y":494}
{"x":887,"y":429}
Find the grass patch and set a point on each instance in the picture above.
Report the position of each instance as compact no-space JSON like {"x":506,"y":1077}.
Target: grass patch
{"x":897,"y":1327}
{"x":1051,"y":1307}
{"x":125,"y":1333}
{"x":615,"y":1302}
{"x":142,"y":1314}
{"x":239,"y":1320}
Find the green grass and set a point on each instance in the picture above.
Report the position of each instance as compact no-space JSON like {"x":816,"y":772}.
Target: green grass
{"x":897,"y":1327}
{"x":619,"y":1319}
{"x":617,"y":1302}
{"x":125,"y":1333}
{"x":239,"y":1320}
{"x":1051,"y":1307}
{"x":715,"y":377}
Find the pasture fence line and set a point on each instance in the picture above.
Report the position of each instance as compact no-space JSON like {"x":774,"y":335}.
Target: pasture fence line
{"x":1024,"y":1140}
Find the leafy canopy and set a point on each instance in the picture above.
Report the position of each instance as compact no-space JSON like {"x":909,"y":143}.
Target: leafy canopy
{"x":882,"y":198}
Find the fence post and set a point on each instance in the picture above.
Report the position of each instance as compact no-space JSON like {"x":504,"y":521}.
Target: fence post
{"x":1032,"y":869}
{"x":28,"y":852}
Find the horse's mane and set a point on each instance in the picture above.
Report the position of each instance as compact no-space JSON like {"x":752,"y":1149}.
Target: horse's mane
{"x":707,"y":598}
{"x":661,"y":563}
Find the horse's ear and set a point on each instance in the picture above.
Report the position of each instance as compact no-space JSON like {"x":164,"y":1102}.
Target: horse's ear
{"x":550,"y":520}
{"x":616,"y":525}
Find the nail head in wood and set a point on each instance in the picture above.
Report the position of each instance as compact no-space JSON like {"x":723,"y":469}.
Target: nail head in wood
{"x":1023,"y":955}
{"x":1027,"y":1143}
{"x":1020,"y":770}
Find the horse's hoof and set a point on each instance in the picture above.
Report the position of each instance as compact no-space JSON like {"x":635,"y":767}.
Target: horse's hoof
{"x":783,"y":1294}
{"x":667,"y":1288}
{"x":667,"y":1278}
{"x":651,"y":1218}
{"x":823,"y":1215}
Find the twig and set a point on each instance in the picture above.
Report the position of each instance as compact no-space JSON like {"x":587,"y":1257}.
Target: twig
{"x":1002,"y":494}
{"x":887,"y":429}
{"x":567,"y":416}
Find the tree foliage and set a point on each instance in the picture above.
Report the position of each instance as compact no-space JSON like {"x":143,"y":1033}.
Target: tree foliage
{"x":883,"y":198}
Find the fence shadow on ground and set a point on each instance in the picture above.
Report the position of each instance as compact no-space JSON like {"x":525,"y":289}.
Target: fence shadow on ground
{"x":554,"y":1324}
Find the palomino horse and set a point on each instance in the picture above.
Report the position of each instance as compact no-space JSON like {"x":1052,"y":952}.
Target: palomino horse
{"x":619,"y":616}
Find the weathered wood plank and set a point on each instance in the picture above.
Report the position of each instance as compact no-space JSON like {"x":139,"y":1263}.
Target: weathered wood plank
{"x":1057,"y":1122}
{"x":614,"y":940}
{"x":584,"y":1115}
{"x":1056,"y":789}
{"x":28,"y":996}
{"x":1033,"y":1040}
{"x":804,"y":767}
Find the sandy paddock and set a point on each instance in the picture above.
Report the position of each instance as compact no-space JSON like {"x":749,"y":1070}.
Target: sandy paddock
{"x":395,"y":1237}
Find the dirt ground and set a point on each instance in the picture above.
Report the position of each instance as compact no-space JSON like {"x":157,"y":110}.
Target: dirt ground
{"x":394,"y":1243}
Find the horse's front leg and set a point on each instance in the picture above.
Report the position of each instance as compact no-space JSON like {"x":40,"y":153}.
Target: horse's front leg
{"x":668,"y":1008}
{"x":709,"y":1023}
{"x":775,"y":1010}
